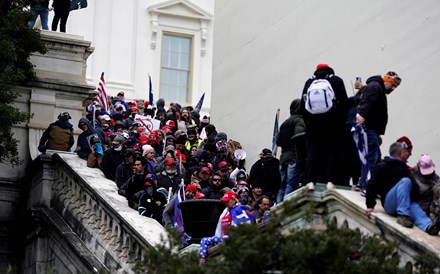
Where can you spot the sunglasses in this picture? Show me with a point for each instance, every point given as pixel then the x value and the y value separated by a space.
pixel 216 179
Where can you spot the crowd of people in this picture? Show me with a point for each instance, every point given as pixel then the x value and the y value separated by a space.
pixel 329 138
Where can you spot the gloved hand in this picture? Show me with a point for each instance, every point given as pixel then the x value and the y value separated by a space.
pixel 42 148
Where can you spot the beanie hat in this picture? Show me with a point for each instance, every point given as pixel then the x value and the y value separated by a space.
pixel 266 152
pixel 177 107
pixel 146 149
pixel 392 77
pixel 220 136
pixel 405 140
pixel 64 116
pixel 192 188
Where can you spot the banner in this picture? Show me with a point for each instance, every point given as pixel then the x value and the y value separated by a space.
pixel 149 123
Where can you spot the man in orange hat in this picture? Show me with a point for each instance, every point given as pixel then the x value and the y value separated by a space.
pixel 373 114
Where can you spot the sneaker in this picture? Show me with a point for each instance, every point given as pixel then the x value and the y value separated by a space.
pixel 406 221
pixel 363 192
pixel 330 185
pixel 202 261
pixel 433 229
pixel 310 186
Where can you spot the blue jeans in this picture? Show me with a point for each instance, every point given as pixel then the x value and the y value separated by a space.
pixel 290 174
pixel 44 17
pixel 398 202
pixel 372 156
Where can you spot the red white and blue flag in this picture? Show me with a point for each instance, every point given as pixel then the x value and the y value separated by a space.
pixel 102 94
pixel 361 140
pixel 240 214
pixel 178 221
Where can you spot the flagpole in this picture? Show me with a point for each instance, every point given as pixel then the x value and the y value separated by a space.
pixel 275 134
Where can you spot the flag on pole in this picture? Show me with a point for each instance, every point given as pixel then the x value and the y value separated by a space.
pixel 361 140
pixel 151 97
pixel 200 103
pixel 102 94
pixel 275 134
pixel 180 197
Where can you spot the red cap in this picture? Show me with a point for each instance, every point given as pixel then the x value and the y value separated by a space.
pixel 228 196
pixel 206 170
pixel 169 161
pixel 322 66
pixel 143 139
pixel 146 104
pixel 170 123
pixel 199 195
pixel 192 188
pixel 223 164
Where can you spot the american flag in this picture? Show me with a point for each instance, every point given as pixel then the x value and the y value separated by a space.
pixel 102 95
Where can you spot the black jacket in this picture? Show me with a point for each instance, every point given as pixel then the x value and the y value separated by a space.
pixel 266 173
pixel 384 177
pixel 373 105
pixel 338 113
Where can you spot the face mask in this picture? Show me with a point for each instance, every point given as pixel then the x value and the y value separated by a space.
pixel 118 148
pixel 190 139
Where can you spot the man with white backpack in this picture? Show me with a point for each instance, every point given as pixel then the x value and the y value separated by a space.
pixel 323 106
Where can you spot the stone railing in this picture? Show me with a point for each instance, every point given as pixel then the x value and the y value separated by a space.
pixel 89 203
pixel 347 209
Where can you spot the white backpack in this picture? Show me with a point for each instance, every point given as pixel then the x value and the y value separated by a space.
pixel 320 96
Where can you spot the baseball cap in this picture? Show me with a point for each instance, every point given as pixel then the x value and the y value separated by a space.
pixel 118 140
pixel 426 166
pixel 205 170
pixel 223 164
pixel 228 196
pixel 169 161
pixel 241 176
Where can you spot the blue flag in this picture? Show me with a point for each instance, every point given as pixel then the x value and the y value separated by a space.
pixel 200 103
pixel 151 98
pixel 178 221
pixel 275 134
pixel 240 214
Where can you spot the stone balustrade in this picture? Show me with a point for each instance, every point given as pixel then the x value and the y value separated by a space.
pixel 89 203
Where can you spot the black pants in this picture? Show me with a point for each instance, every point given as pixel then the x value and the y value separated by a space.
pixel 324 154
pixel 60 15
